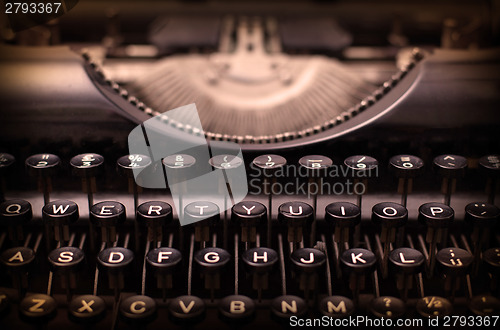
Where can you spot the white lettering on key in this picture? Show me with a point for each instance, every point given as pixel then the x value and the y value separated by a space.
pixel 356 257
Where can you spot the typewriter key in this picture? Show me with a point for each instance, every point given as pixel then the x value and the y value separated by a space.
pixel 407 262
pixel 268 165
pixel 154 215
pixel 38 308
pixel 6 161
pixel 43 167
pixel 203 214
pixel 67 262
pixel 387 307
pixel 337 307
pixel 450 167
pixel 438 218
pixel 490 166
pixel 296 215
pixel 284 307
pixel 86 309
pixel 454 263
pixel 390 216
pixel 107 215
pixel 18 261
pixel 211 262
pixel 138 310
pixel 14 214
pixel 433 306
pixel 236 309
pixel 179 168
pixel 133 167
pixel 484 305
pixel 260 262
pixel 59 215
pixel 186 310
pixel 361 168
pixel 87 166
pixel 491 261
pixel 482 217
pixel 249 215
pixel 406 168
pixel 115 261
pixel 163 262
pixel 357 264
pixel 317 169
pixel 344 216
pixel 308 263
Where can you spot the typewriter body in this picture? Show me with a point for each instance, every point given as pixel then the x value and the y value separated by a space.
pixel 370 135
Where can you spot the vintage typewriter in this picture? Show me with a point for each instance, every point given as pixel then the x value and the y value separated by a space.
pixel 370 138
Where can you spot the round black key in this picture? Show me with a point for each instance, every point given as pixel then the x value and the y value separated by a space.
pixel 361 166
pixel 407 260
pixel 202 210
pixel 406 166
pixel 295 212
pixel 4 303
pixel 128 163
pixel 115 259
pixel 38 308
pixel 249 213
pixel 337 307
pixel 454 261
pixel 269 162
pixel 236 309
pixel 187 309
pixel 358 261
pixel 87 309
pixel 451 166
pixel 284 307
pixel 6 161
pixel 485 305
pixel 315 162
pixel 154 213
pixel 490 164
pixel 42 164
pixel 138 309
pixel 433 306
pixel 343 214
pixel 387 307
pixel 260 260
pixel 389 214
pixel 212 259
pixel 482 214
pixel 436 215
pixel 164 260
pixel 491 259
pixel 308 260
pixel 61 212
pixel 87 164
pixel 179 161
pixel 66 259
pixel 107 213
pixel 15 212
pixel 18 259
pixel 225 162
